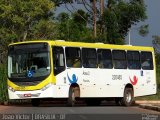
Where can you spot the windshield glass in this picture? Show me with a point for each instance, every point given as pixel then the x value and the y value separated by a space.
pixel 28 61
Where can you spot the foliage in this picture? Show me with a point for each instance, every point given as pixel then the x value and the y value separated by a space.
pixel 59 2
pixel 73 27
pixel 3 83
pixel 120 16
pixel 143 31
pixel 156 43
pixel 112 25
pixel 24 19
pixel 19 16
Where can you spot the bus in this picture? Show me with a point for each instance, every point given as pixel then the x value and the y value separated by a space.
pixel 72 71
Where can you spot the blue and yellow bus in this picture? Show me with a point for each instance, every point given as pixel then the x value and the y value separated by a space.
pixel 76 70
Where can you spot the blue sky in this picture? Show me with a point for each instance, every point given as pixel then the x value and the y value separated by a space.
pixel 153 13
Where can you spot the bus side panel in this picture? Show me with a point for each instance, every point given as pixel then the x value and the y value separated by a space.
pixel 146 84
pixel 95 82
pixel 101 83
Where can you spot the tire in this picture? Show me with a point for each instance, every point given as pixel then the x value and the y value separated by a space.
pixel 128 97
pixel 71 98
pixel 35 102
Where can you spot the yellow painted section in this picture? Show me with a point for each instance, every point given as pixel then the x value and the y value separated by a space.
pixel 89 45
pixel 50 79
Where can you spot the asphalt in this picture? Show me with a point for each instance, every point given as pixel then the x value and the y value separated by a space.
pixel 145 104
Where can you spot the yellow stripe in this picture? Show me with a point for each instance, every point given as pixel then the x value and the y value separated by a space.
pixel 90 45
pixel 50 79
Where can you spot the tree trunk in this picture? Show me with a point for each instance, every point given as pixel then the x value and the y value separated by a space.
pixel 25 35
pixel 101 11
pixel 94 19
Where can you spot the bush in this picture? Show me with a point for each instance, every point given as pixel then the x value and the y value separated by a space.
pixel 3 84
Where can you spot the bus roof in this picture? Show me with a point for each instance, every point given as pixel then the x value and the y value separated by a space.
pixel 88 45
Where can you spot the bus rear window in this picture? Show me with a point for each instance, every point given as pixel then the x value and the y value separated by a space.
pixel 146 60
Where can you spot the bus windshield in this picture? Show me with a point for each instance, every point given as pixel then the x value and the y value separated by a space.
pixel 28 60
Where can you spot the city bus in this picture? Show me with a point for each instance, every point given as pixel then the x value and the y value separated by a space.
pixel 72 71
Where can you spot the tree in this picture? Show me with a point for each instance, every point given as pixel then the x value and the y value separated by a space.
pixel 111 23
pixel 143 31
pixel 24 19
pixel 119 16
pixel 63 25
pixel 156 43
pixel 19 16
pixel 74 27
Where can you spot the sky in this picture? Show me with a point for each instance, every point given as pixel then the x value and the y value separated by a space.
pixel 153 14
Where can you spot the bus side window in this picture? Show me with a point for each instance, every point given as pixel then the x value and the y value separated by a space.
pixel 89 57
pixel 133 59
pixel 119 59
pixel 104 58
pixel 147 60
pixel 58 59
pixel 73 57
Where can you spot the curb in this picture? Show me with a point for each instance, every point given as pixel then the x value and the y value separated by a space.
pixel 146 102
pixel 150 107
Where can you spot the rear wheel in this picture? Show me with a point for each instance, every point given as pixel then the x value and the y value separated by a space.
pixel 35 102
pixel 128 97
pixel 71 98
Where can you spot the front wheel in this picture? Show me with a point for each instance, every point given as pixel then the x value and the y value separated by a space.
pixel 128 97
pixel 71 98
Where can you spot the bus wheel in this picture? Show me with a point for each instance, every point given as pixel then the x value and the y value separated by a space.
pixel 35 102
pixel 127 99
pixel 71 98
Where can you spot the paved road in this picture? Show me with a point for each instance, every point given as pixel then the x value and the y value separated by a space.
pixel 79 112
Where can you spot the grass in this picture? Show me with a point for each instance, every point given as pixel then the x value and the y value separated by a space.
pixel 151 97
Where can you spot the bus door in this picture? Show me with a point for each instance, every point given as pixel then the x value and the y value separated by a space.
pixel 73 64
pixel 59 65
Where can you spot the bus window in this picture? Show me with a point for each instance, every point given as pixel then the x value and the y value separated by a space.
pixel 133 58
pixel 28 61
pixel 146 60
pixel 73 57
pixel 58 60
pixel 104 58
pixel 119 59
pixel 89 57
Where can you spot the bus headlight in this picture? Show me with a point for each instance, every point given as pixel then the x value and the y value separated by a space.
pixel 46 87
pixel 11 89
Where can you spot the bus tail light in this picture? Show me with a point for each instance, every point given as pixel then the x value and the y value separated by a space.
pixel 27 95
